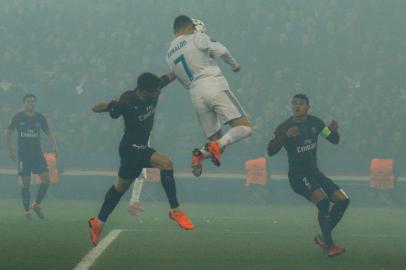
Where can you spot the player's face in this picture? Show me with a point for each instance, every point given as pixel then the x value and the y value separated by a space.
pixel 29 104
pixel 299 107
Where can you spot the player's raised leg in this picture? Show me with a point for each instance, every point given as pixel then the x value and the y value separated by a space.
pixel 240 129
pixel 168 183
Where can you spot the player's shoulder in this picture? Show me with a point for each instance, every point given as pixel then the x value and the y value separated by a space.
pixel 316 122
pixel 128 98
pixel 314 119
pixel 39 115
pixel 18 115
pixel 200 37
pixel 284 126
pixel 128 95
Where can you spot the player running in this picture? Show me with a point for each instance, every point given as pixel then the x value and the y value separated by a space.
pixel 138 109
pixel 299 136
pixel 28 124
pixel 191 58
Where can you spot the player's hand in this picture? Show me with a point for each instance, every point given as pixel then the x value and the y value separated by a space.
pixel 333 126
pixel 292 132
pixel 237 68
pixel 12 154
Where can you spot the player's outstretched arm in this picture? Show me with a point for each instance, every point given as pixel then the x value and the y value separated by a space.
pixel 228 58
pixel 216 49
pixel 167 79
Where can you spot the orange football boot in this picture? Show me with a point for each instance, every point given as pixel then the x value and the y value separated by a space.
pixel 95 229
pixel 180 217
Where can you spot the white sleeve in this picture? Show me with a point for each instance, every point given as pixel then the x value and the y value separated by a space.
pixel 201 41
pixel 215 48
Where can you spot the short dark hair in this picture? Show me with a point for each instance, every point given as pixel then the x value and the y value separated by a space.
pixel 181 22
pixel 302 96
pixel 29 95
pixel 148 81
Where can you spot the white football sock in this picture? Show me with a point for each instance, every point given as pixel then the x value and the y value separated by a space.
pixel 234 134
pixel 137 188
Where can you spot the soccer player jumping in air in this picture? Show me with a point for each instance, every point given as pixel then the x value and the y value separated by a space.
pixel 191 59
pixel 138 109
pixel 28 124
pixel 299 136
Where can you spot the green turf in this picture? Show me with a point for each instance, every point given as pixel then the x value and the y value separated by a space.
pixel 226 237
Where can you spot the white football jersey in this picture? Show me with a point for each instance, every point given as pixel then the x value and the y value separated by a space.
pixel 192 59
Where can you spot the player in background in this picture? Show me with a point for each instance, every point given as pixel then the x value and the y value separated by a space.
pixel 191 59
pixel 138 110
pixel 134 207
pixel 298 135
pixel 30 158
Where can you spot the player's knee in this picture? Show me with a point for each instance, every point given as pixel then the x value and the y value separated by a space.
pixel 25 185
pixel 343 203
pixel 121 186
pixel 247 130
pixel 167 164
pixel 45 180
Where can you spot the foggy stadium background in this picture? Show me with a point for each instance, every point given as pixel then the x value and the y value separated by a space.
pixel 349 57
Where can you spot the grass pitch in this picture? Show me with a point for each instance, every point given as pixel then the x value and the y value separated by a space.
pixel 227 236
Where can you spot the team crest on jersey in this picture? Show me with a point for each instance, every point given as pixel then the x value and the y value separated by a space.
pixel 36 124
pixel 314 130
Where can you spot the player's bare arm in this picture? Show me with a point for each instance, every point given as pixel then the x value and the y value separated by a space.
pixel 167 79
pixel 100 107
pixel 52 141
pixel 11 152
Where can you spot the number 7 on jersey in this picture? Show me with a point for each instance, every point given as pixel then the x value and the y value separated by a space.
pixel 181 59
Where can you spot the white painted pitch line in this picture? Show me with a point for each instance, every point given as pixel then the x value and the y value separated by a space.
pixel 95 252
pixel 266 232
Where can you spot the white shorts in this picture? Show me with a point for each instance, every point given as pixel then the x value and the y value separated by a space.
pixel 215 108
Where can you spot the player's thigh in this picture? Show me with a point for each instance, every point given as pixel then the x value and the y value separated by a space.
pixel 161 161
pixel 207 116
pixel 330 188
pixel 130 164
pixel 228 108
pixel 40 167
pixel 24 167
pixel 304 185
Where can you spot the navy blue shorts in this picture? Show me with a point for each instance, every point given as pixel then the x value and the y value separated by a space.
pixel 306 184
pixel 133 159
pixel 28 164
